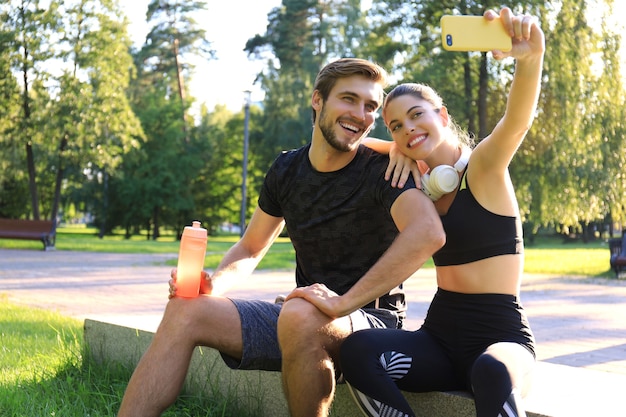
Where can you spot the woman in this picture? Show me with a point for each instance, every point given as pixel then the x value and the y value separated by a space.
pixel 475 336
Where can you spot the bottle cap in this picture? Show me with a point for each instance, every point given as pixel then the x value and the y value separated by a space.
pixel 195 230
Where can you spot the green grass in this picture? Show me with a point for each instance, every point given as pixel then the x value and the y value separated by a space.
pixel 86 239
pixel 547 255
pixel 281 256
pixel 45 372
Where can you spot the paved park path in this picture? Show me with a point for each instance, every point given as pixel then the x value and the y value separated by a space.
pixel 577 321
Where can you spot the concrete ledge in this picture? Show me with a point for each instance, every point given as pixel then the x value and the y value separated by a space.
pixel 558 391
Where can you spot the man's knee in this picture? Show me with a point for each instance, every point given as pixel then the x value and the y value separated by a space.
pixel 302 327
pixel 175 315
pixel 297 317
pixel 185 317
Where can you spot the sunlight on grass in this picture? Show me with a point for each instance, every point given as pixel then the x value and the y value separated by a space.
pixel 45 372
pixel 552 256
pixel 547 255
pixel 281 256
pixel 26 335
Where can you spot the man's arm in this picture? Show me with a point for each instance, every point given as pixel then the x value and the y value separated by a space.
pixel 421 235
pixel 244 256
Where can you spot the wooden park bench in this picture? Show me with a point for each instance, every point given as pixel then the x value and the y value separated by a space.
pixel 43 230
pixel 618 255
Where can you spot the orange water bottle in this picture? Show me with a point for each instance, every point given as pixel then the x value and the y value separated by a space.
pixel 191 260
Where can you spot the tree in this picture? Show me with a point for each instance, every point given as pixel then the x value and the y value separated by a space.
pixel 568 166
pixel 165 169
pixel 13 188
pixel 175 34
pixel 412 51
pixel 92 118
pixel 160 100
pixel 27 29
pixel 565 173
pixel 609 116
pixel 74 66
pixel 303 36
pixel 217 184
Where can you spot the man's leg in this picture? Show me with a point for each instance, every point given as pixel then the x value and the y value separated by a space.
pixel 309 342
pixel 159 376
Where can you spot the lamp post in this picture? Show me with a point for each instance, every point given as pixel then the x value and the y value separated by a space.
pixel 242 214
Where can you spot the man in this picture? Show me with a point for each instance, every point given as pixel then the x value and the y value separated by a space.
pixel 352 232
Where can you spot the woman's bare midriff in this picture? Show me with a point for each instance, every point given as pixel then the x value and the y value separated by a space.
pixel 497 275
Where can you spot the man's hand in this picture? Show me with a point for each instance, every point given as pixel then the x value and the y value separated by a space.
pixel 321 297
pixel 206 285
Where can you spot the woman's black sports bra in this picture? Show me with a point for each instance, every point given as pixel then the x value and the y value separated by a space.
pixel 474 233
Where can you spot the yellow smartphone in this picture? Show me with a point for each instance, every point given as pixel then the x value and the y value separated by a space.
pixel 473 33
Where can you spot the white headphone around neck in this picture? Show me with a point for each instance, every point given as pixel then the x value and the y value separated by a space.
pixel 443 179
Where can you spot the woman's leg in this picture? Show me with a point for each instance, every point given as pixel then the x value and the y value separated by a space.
pixel 499 378
pixel 378 363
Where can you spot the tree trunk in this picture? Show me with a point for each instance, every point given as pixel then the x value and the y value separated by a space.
pixel 469 102
pixel 32 183
pixel 155 223
pixel 483 86
pixel 58 181
pixel 105 202
pixel 30 159
pixel 181 88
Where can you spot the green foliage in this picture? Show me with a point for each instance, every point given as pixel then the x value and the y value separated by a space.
pixel 303 36
pixel 570 169
pixel 11 164
pixel 216 184
pixel 174 26
pixel 13 184
pixel 28 29
pixel 569 172
pixel 76 119
pixel 155 187
pixel 109 134
pixel 174 35
pixel 609 118
pixel 287 121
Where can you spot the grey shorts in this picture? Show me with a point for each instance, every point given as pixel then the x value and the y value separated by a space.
pixel 260 341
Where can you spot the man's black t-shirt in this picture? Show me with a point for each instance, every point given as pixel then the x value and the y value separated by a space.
pixel 339 222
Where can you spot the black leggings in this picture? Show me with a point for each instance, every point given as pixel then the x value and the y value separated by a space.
pixel 476 342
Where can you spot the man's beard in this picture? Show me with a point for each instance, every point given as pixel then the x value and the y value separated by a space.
pixel 327 129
